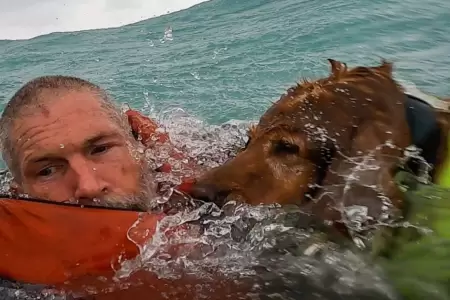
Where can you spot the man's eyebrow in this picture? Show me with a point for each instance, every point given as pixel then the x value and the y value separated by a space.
pixel 101 136
pixel 87 143
pixel 42 158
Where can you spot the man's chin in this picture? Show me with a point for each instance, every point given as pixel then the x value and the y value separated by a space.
pixel 118 202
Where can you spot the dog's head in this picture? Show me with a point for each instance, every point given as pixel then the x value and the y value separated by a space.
pixel 288 153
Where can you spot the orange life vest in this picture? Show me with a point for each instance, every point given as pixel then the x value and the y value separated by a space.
pixel 77 249
pixel 49 243
pixel 57 244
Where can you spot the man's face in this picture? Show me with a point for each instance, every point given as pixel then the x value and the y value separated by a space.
pixel 69 148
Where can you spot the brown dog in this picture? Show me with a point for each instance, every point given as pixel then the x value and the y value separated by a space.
pixel 330 145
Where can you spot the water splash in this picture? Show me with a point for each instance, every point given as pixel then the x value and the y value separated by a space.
pixel 5 181
pixel 265 244
pixel 168 36
pixel 208 145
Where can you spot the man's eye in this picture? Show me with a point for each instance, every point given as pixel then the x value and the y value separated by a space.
pixel 100 149
pixel 46 172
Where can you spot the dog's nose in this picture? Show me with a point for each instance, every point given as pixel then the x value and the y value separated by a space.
pixel 209 193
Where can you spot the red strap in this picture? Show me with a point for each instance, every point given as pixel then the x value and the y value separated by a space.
pixel 147 129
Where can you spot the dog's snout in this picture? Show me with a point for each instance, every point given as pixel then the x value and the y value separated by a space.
pixel 209 193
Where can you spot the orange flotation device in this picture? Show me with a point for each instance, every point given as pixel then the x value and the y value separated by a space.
pixel 50 243
pixel 76 250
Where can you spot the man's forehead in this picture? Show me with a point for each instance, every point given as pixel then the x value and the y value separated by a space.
pixel 69 113
pixel 63 106
pixel 54 135
pixel 61 101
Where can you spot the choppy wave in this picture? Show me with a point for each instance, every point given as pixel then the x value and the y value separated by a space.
pixel 49 16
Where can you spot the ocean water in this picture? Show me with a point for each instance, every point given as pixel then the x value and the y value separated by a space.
pixel 229 59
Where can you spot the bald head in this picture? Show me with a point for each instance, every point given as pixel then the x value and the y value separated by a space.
pixel 37 96
pixel 64 139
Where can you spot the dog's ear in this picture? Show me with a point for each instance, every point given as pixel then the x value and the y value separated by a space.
pixel 386 67
pixel 322 155
pixel 327 154
pixel 337 67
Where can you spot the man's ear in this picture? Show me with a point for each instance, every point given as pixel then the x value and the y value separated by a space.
pixel 15 189
pixel 136 149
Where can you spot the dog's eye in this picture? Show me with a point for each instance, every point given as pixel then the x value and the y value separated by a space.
pixel 284 147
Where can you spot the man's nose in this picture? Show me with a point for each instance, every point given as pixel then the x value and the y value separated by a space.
pixel 89 183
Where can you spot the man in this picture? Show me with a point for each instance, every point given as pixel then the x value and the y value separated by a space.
pixel 64 139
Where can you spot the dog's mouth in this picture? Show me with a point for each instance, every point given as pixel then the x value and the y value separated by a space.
pixel 233 198
pixel 212 194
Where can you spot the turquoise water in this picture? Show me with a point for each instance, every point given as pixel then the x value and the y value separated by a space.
pixel 228 59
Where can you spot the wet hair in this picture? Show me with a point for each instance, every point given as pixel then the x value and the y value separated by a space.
pixel 29 96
